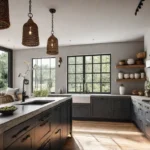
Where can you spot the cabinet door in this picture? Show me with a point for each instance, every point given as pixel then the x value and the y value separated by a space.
pixel 147 112
pixel 43 126
pixel 121 108
pixel 26 142
pixel 56 117
pixel 69 116
pixel 46 146
pixel 55 141
pixel 121 115
pixel 147 129
pixel 81 110
pixel 1 142
pixel 64 121
pixel 102 107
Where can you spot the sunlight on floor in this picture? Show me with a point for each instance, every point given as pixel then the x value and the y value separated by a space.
pixel 106 136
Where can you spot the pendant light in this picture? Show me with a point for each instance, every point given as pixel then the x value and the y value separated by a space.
pixel 52 43
pixel 30 30
pixel 4 14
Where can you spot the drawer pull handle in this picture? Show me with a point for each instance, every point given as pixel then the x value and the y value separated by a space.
pixel 57 131
pixel 43 123
pixel 24 129
pixel 24 139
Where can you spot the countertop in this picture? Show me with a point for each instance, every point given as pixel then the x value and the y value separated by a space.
pixel 85 95
pixel 25 112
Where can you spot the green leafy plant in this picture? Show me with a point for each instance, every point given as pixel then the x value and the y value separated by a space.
pixel 40 93
pixel 147 85
pixel 2 84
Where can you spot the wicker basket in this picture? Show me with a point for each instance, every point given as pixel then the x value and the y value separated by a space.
pixel 33 38
pixel 6 99
pixel 4 14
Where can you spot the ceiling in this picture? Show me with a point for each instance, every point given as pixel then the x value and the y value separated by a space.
pixel 79 21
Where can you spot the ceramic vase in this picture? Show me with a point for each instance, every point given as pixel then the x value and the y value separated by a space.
pixel 122 89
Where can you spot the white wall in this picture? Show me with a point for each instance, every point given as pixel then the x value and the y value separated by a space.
pixel 147 49
pixel 118 51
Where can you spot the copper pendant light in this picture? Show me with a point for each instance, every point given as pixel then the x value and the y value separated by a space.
pixel 52 43
pixel 30 31
pixel 4 14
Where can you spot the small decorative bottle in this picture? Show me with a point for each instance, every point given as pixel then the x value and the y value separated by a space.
pixel 122 89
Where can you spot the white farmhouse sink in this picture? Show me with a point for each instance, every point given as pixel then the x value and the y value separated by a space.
pixel 81 98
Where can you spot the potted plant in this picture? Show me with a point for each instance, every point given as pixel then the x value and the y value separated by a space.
pixel 147 88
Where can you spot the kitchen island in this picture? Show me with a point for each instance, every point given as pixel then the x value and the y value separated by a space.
pixel 37 125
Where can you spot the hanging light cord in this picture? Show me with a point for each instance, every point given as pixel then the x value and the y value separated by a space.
pixel 52 24
pixel 30 9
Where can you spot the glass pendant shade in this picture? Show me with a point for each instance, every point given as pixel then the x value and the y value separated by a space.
pixel 52 45
pixel 4 14
pixel 30 34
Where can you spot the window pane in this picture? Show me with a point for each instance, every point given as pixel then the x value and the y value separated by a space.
pixel 96 59
pixel 96 67
pixel 106 59
pixel 71 60
pixel 53 63
pixel 44 75
pixel 53 74
pixel 71 78
pixel 79 77
pixel 71 69
pixel 96 77
pixel 79 68
pixel 105 67
pixel 88 59
pixel 37 79
pixel 89 87
pixel 79 87
pixel 79 60
pixel 88 68
pixel 71 87
pixel 96 73
pixel 3 70
pixel 96 87
pixel 45 63
pixel 88 78
pixel 106 87
pixel 105 77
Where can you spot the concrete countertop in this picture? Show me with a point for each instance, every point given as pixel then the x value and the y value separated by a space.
pixel 25 112
pixel 73 94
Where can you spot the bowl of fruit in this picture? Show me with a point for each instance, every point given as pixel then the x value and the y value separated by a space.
pixel 8 110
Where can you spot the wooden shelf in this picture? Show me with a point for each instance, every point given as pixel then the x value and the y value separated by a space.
pixel 130 66
pixel 130 80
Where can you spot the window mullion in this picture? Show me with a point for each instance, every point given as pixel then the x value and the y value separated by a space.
pixel 83 73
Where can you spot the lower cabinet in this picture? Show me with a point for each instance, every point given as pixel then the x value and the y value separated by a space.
pixel 111 108
pixel 47 131
pixel 80 110
pixel 1 142
pixel 25 142
pixel 102 107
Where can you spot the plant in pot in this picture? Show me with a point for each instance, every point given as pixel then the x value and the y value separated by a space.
pixel 147 88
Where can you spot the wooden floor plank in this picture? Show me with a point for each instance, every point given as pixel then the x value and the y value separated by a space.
pixel 88 135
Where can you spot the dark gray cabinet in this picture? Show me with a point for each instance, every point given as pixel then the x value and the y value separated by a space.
pixel 80 110
pixel 102 107
pixel 111 107
pixel 121 108
pixel 1 142
pixel 25 142
pixel 46 131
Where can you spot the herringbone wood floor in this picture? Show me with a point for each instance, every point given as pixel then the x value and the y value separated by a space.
pixel 89 135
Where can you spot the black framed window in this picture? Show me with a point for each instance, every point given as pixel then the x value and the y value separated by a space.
pixel 44 74
pixel 90 74
pixel 6 64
